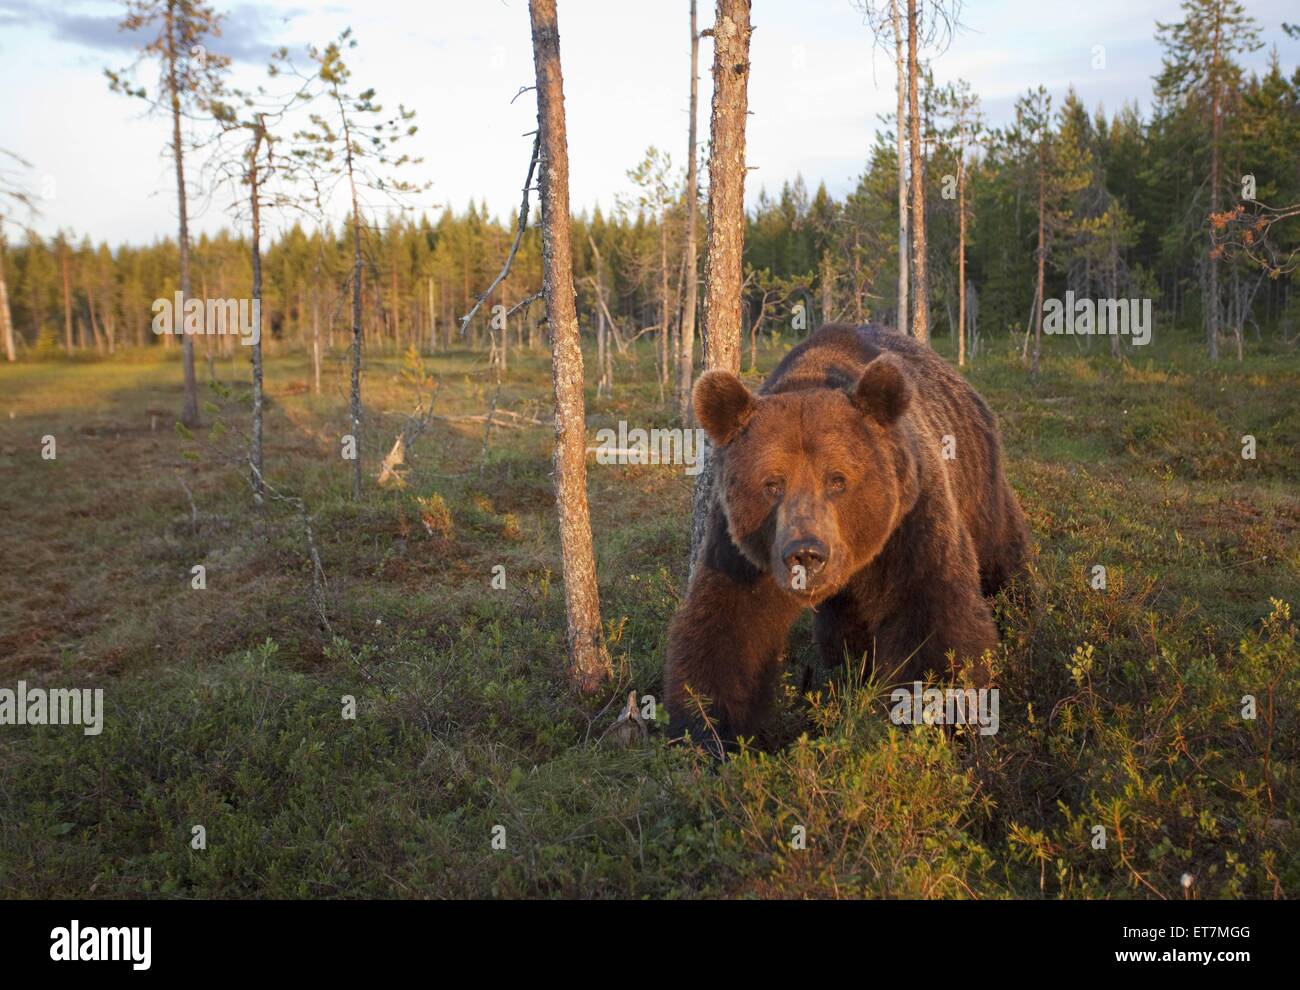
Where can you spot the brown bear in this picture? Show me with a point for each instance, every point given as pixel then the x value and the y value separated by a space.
pixel 865 482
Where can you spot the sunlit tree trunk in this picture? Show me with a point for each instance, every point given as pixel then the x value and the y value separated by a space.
pixel 900 61
pixel 6 317
pixel 961 261
pixel 255 202
pixel 589 666
pixel 722 268
pixel 190 405
pixel 921 300
pixel 686 335
pixel 1212 289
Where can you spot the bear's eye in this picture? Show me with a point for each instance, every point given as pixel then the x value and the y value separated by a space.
pixel 774 487
pixel 837 483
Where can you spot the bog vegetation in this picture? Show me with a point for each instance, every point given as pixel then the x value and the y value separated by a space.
pixel 1120 708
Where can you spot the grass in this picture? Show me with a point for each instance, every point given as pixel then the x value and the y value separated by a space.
pixel 1120 709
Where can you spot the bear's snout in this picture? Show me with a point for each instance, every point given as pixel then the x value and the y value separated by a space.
pixel 808 553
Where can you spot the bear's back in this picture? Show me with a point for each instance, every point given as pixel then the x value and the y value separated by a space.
pixel 837 353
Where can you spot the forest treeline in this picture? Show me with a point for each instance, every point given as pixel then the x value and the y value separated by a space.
pixel 1124 198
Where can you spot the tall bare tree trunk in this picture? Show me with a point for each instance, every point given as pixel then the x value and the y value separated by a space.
pixel 722 267
pixel 1042 254
pixel 255 203
pixel 1212 289
pixel 731 32
pixel 921 302
pixel 67 298
pixel 190 404
pixel 961 261
pixel 686 335
pixel 315 336
pixel 900 61
pixel 589 666
pixel 94 321
pixel 6 317
pixel 433 321
pixel 665 352
pixel 354 398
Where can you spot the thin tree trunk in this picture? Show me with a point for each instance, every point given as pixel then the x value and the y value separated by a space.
pixel 589 666
pixel 315 335
pixel 190 405
pixel 6 317
pixel 354 399
pixel 1212 289
pixel 67 300
pixel 921 302
pixel 722 267
pixel 665 352
pixel 961 261
pixel 94 322
pixel 433 321
pixel 1042 255
pixel 255 203
pixel 900 61
pixel 686 336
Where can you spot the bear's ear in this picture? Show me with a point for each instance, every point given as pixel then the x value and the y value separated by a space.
pixel 883 392
pixel 723 405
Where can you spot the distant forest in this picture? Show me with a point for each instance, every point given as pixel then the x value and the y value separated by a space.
pixel 1122 198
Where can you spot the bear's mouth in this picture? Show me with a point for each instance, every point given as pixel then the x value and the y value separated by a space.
pixel 807 588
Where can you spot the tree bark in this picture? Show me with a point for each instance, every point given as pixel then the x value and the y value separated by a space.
pixel 900 60
pixel 6 317
pixel 354 399
pixel 726 186
pixel 921 292
pixel 722 266
pixel 255 202
pixel 67 297
pixel 190 404
pixel 589 666
pixel 961 261
pixel 665 352
pixel 1042 252
pixel 1212 289
pixel 686 335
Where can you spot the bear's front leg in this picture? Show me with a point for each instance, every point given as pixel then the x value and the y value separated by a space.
pixel 724 648
pixel 930 623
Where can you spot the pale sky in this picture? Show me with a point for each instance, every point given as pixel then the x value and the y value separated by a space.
pixel 817 89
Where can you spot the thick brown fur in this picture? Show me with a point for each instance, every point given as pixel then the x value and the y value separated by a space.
pixel 832 491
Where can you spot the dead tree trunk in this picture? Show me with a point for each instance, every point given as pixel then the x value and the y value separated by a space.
pixel 921 302
pixel 686 334
pixel 1212 289
pixel 6 318
pixel 254 193
pixel 726 186
pixel 354 396
pixel 900 60
pixel 67 298
pixel 731 31
pixel 961 261
pixel 589 666
pixel 190 406
pixel 1042 254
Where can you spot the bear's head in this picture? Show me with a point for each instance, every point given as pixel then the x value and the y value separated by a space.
pixel 813 481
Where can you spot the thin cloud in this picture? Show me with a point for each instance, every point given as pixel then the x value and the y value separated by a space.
pixel 248 33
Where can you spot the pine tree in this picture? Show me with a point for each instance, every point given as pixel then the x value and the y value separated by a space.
pixel 353 142
pixel 191 74
pixel 1198 66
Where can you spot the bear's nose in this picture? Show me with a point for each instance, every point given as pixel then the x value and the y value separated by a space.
pixel 810 554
